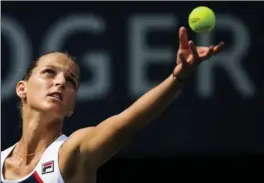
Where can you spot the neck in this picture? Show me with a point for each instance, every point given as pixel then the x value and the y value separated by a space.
pixel 38 132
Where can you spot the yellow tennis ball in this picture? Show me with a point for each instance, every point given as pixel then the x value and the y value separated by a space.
pixel 202 19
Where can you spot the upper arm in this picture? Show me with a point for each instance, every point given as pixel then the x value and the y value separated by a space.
pixel 103 141
pixel 69 154
pixel 93 146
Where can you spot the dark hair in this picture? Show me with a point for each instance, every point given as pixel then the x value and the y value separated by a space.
pixel 34 64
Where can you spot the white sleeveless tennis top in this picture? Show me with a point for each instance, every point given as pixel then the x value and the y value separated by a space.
pixel 47 169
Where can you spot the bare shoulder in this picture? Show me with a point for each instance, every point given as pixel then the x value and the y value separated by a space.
pixel 69 154
pixel 89 148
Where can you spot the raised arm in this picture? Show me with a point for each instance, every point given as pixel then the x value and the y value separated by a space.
pixel 100 143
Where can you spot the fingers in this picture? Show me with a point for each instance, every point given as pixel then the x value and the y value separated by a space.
pixel 218 47
pixel 194 50
pixel 212 50
pixel 199 54
pixel 207 53
pixel 183 59
pixel 183 38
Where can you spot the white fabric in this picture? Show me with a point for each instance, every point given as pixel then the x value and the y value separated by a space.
pixel 47 168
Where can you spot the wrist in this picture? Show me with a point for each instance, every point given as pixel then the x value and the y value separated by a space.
pixel 179 79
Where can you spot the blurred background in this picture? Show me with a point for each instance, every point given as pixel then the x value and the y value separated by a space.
pixel 126 48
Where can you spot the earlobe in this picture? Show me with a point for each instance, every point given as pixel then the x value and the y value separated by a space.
pixel 71 109
pixel 21 89
pixel 70 113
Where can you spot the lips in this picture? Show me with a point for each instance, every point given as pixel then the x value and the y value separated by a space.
pixel 56 95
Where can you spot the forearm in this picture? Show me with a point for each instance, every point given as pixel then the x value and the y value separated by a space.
pixel 113 133
pixel 152 103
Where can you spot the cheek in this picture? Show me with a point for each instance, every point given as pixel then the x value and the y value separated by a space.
pixel 70 98
pixel 36 89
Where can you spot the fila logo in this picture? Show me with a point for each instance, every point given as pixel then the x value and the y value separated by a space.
pixel 47 167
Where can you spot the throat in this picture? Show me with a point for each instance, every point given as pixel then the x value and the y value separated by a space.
pixel 31 148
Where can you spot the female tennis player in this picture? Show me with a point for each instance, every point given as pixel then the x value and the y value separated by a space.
pixel 48 93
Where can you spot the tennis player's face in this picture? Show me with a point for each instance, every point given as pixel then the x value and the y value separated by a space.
pixel 53 85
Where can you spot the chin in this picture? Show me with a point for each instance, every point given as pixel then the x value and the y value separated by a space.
pixel 53 109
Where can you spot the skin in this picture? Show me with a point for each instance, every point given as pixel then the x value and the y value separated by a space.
pixel 88 148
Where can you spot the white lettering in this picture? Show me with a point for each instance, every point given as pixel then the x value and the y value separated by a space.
pixel 141 55
pixel 19 58
pixel 230 60
pixel 99 86
pixel 97 62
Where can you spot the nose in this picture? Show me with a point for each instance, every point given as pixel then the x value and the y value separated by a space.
pixel 60 80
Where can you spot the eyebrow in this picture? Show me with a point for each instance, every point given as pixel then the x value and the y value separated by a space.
pixel 71 73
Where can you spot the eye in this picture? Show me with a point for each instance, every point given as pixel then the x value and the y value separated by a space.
pixel 49 72
pixel 72 82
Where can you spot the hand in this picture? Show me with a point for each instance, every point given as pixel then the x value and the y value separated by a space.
pixel 189 56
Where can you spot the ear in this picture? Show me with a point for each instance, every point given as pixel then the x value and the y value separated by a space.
pixel 70 113
pixel 21 89
pixel 71 109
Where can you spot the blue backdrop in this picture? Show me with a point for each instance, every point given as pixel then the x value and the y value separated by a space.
pixel 126 48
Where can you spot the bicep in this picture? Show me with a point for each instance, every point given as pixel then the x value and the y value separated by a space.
pixel 104 140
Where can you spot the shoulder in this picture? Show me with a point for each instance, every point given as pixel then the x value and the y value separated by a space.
pixel 4 154
pixel 69 154
pixel 6 151
pixel 74 140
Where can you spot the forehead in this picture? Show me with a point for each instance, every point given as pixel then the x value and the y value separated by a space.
pixel 60 61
